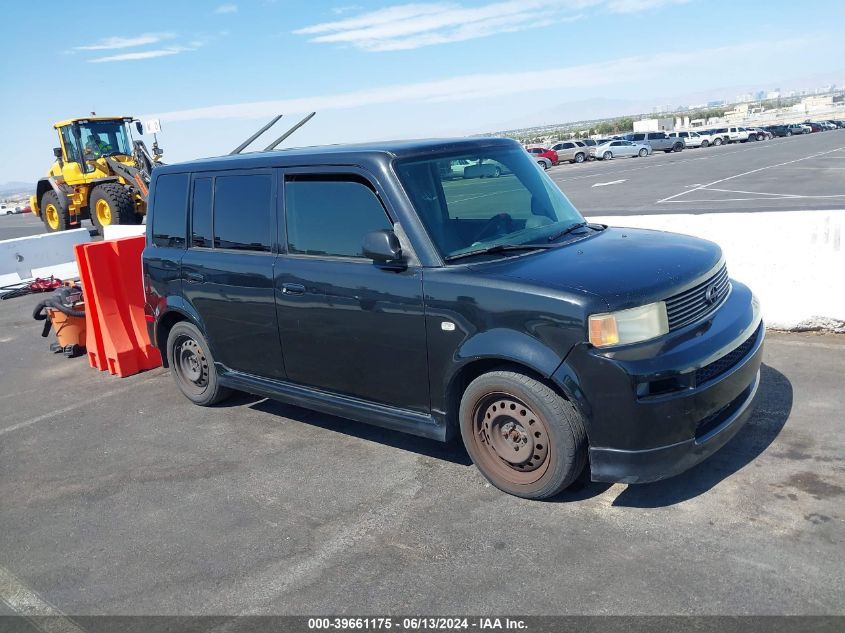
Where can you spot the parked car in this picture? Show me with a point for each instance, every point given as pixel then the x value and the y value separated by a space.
pixel 543 162
pixel 796 128
pixel 379 292
pixel 778 130
pixel 465 168
pixel 619 149
pixel 542 152
pixel 693 138
pixel 573 151
pixel 756 134
pixel 814 127
pixel 7 209
pixel 656 140
pixel 715 137
pixel 591 145
pixel 732 134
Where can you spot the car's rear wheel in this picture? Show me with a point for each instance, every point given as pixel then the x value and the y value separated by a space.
pixel 678 147
pixel 523 436
pixel 192 365
pixel 607 156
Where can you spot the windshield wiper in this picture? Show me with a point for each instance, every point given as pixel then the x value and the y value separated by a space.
pixel 566 231
pixel 497 248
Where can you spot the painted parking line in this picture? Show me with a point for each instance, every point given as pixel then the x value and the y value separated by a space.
pixel 746 173
pixel 134 385
pixel 27 603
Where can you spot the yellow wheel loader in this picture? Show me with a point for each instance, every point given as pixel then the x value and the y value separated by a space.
pixel 100 173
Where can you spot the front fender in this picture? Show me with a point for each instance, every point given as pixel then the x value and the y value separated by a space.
pixel 508 345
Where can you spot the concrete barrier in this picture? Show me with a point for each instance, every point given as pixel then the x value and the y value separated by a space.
pixel 793 261
pixel 24 258
pixel 117 231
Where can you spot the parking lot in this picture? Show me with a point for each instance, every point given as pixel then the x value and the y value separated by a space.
pixel 120 497
pixel 781 174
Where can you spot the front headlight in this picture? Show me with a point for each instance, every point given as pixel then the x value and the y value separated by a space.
pixel 629 326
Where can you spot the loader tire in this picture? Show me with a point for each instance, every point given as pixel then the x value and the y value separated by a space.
pixel 111 204
pixel 54 214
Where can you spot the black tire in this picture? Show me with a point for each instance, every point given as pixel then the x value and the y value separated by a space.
pixel 54 215
pixel 192 365
pixel 607 156
pixel 718 142
pixel 678 147
pixel 789 133
pixel 579 158
pixel 118 201
pixel 543 164
pixel 537 422
pixel 642 153
pixel 705 143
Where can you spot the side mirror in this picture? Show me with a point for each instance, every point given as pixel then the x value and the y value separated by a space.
pixel 139 126
pixel 57 152
pixel 382 247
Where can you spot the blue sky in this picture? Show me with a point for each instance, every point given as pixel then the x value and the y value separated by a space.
pixel 215 71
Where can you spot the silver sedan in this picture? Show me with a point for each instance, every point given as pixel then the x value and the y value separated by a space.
pixel 617 149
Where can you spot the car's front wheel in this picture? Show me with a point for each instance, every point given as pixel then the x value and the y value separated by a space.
pixel 192 365
pixel 543 164
pixel 607 156
pixel 717 142
pixel 705 143
pixel 642 153
pixel 579 157
pixel 522 435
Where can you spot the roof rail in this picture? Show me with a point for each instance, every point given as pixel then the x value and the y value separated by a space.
pixel 243 145
pixel 305 120
pixel 272 145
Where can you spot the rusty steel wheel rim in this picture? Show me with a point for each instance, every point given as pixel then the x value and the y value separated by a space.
pixel 191 365
pixel 512 441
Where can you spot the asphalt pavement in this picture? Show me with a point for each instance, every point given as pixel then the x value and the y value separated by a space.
pixel 782 174
pixel 117 496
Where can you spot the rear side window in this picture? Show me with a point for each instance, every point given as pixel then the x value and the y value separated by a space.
pixel 655 135
pixel 201 234
pixel 638 137
pixel 243 212
pixel 170 209
pixel 329 215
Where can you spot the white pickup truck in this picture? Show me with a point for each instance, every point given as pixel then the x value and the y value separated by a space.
pixel 694 139
pixel 732 134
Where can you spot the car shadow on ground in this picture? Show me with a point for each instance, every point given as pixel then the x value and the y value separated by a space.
pixel 772 408
pixel 452 451
pixel 773 405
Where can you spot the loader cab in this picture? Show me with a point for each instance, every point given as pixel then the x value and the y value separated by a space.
pixel 84 141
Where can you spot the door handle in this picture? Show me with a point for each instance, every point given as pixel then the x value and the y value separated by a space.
pixel 293 289
pixel 194 277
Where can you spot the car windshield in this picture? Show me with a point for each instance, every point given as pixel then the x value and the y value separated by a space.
pixel 501 198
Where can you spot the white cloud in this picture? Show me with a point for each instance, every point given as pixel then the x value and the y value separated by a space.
pixel 117 42
pixel 123 57
pixel 633 6
pixel 626 70
pixel 409 26
pixel 226 8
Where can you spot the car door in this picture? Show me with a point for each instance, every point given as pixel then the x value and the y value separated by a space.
pixel 227 270
pixel 347 325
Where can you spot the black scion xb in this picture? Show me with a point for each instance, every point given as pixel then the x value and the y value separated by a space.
pixel 443 287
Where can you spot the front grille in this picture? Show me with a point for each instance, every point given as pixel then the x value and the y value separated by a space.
pixel 699 301
pixel 723 364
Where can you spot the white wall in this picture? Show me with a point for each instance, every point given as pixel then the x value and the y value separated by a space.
pixel 793 261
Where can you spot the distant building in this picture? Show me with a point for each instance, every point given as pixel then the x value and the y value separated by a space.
pixel 716 104
pixel 666 124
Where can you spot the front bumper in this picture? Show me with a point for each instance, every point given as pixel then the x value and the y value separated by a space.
pixel 654 410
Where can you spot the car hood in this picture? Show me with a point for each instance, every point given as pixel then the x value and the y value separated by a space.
pixel 625 267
